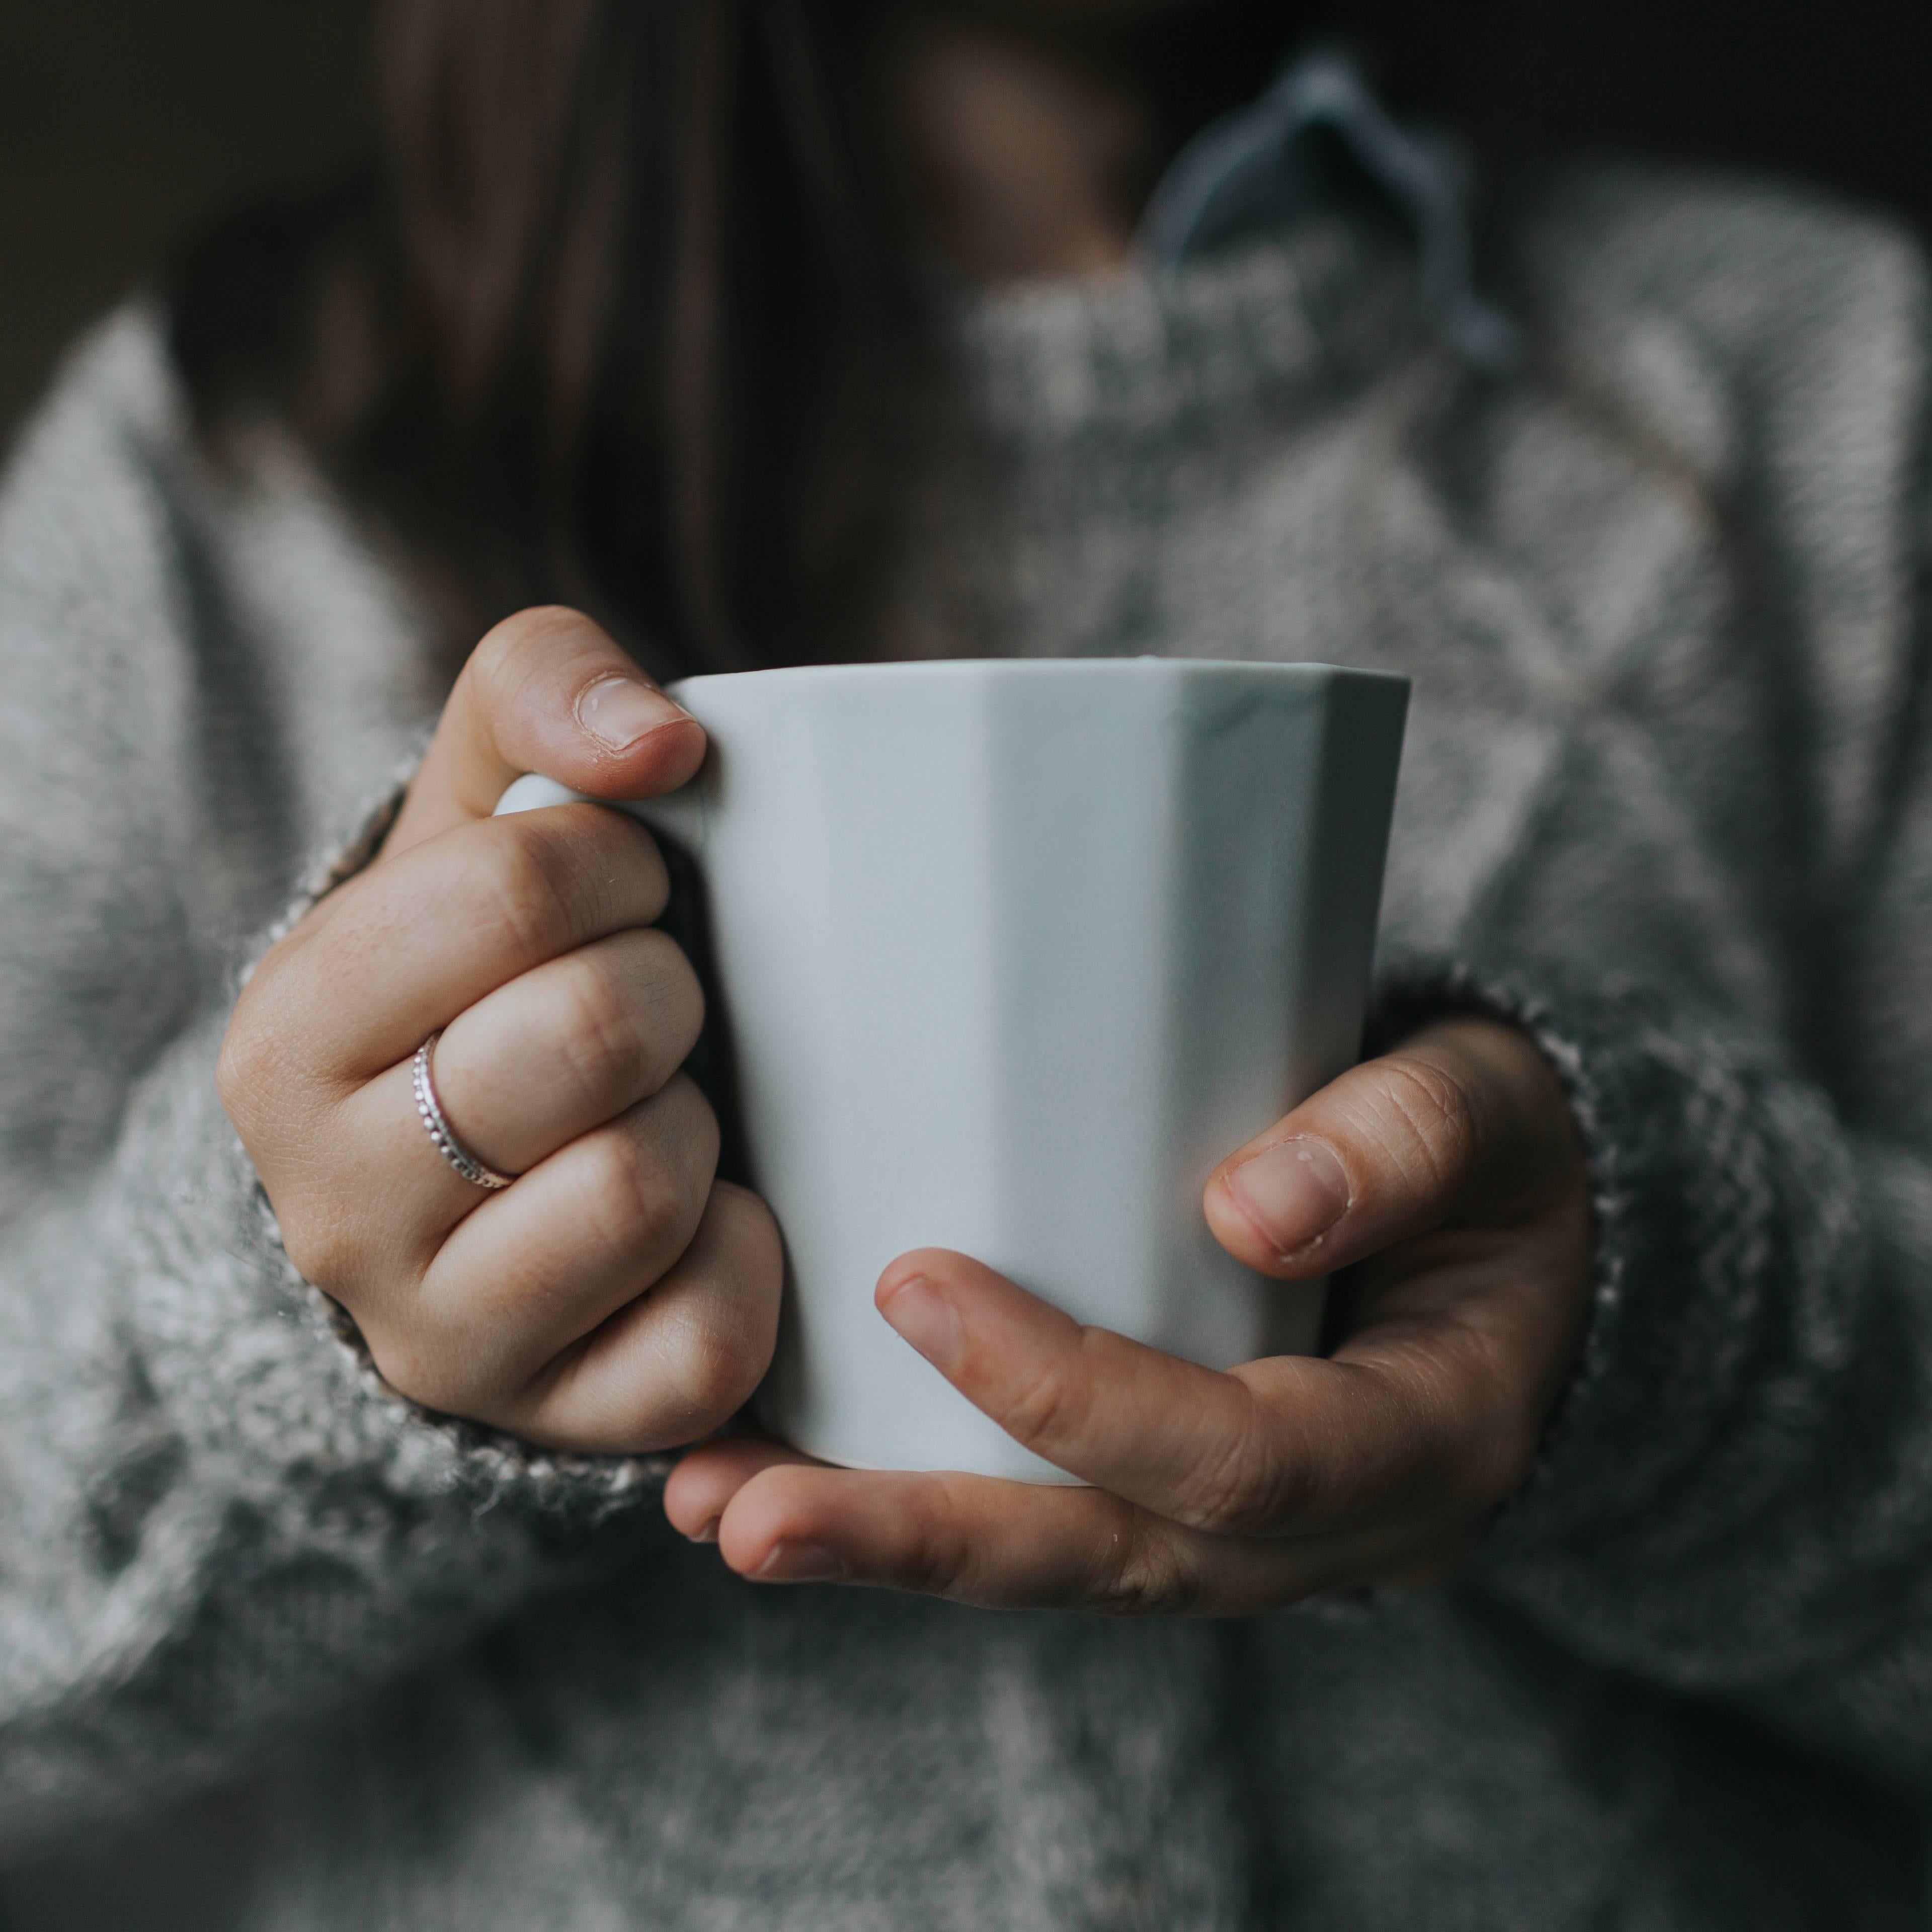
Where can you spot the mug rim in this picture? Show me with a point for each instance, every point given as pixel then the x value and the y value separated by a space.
pixel 1144 664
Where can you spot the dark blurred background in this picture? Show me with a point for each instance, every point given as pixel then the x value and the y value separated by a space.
pixel 123 123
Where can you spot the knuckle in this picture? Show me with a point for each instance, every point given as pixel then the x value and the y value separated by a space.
pixel 1429 1119
pixel 675 997
pixel 1049 1407
pixel 500 667
pixel 717 1361
pixel 526 887
pixel 939 1565
pixel 1252 1486
pixel 640 1200
pixel 715 1350
pixel 603 1050
pixel 940 1560
pixel 1148 1574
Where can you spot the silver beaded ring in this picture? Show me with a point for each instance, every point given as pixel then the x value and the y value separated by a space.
pixel 451 1149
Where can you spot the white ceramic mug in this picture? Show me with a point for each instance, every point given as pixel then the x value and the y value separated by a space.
pixel 1010 955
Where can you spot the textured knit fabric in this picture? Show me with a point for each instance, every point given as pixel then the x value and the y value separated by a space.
pixel 278 1652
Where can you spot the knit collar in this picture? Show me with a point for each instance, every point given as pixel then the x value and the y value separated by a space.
pixel 1253 277
pixel 1145 352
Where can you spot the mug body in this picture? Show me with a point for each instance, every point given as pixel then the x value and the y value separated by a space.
pixel 1009 955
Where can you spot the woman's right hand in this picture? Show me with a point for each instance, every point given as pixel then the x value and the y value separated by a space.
pixel 618 1298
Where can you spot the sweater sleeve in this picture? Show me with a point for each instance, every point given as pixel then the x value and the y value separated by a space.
pixel 1734 1497
pixel 213 1518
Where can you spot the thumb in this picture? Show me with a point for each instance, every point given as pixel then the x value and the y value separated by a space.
pixel 548 690
pixel 1466 1123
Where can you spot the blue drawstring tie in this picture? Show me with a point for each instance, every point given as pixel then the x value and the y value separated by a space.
pixel 1250 171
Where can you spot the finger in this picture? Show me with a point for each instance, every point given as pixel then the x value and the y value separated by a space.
pixel 561 1051
pixel 703 1484
pixel 1466 1121
pixel 1004 1545
pixel 679 1361
pixel 430 935
pixel 548 690
pixel 567 1046
pixel 530 1272
pixel 1292 1446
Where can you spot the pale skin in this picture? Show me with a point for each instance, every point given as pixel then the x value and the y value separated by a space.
pixel 620 1298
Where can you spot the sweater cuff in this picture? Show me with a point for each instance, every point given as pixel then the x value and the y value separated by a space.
pixel 343 860
pixel 488 1467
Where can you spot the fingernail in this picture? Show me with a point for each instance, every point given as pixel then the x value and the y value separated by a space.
pixel 709 1534
pixel 800 1563
pixel 1293 1192
pixel 926 1318
pixel 618 711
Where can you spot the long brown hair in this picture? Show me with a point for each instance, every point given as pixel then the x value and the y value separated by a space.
pixel 622 315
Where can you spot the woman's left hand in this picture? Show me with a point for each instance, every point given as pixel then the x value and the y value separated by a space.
pixel 1446 1177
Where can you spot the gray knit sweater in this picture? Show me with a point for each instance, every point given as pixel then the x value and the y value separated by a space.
pixel 278 1651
